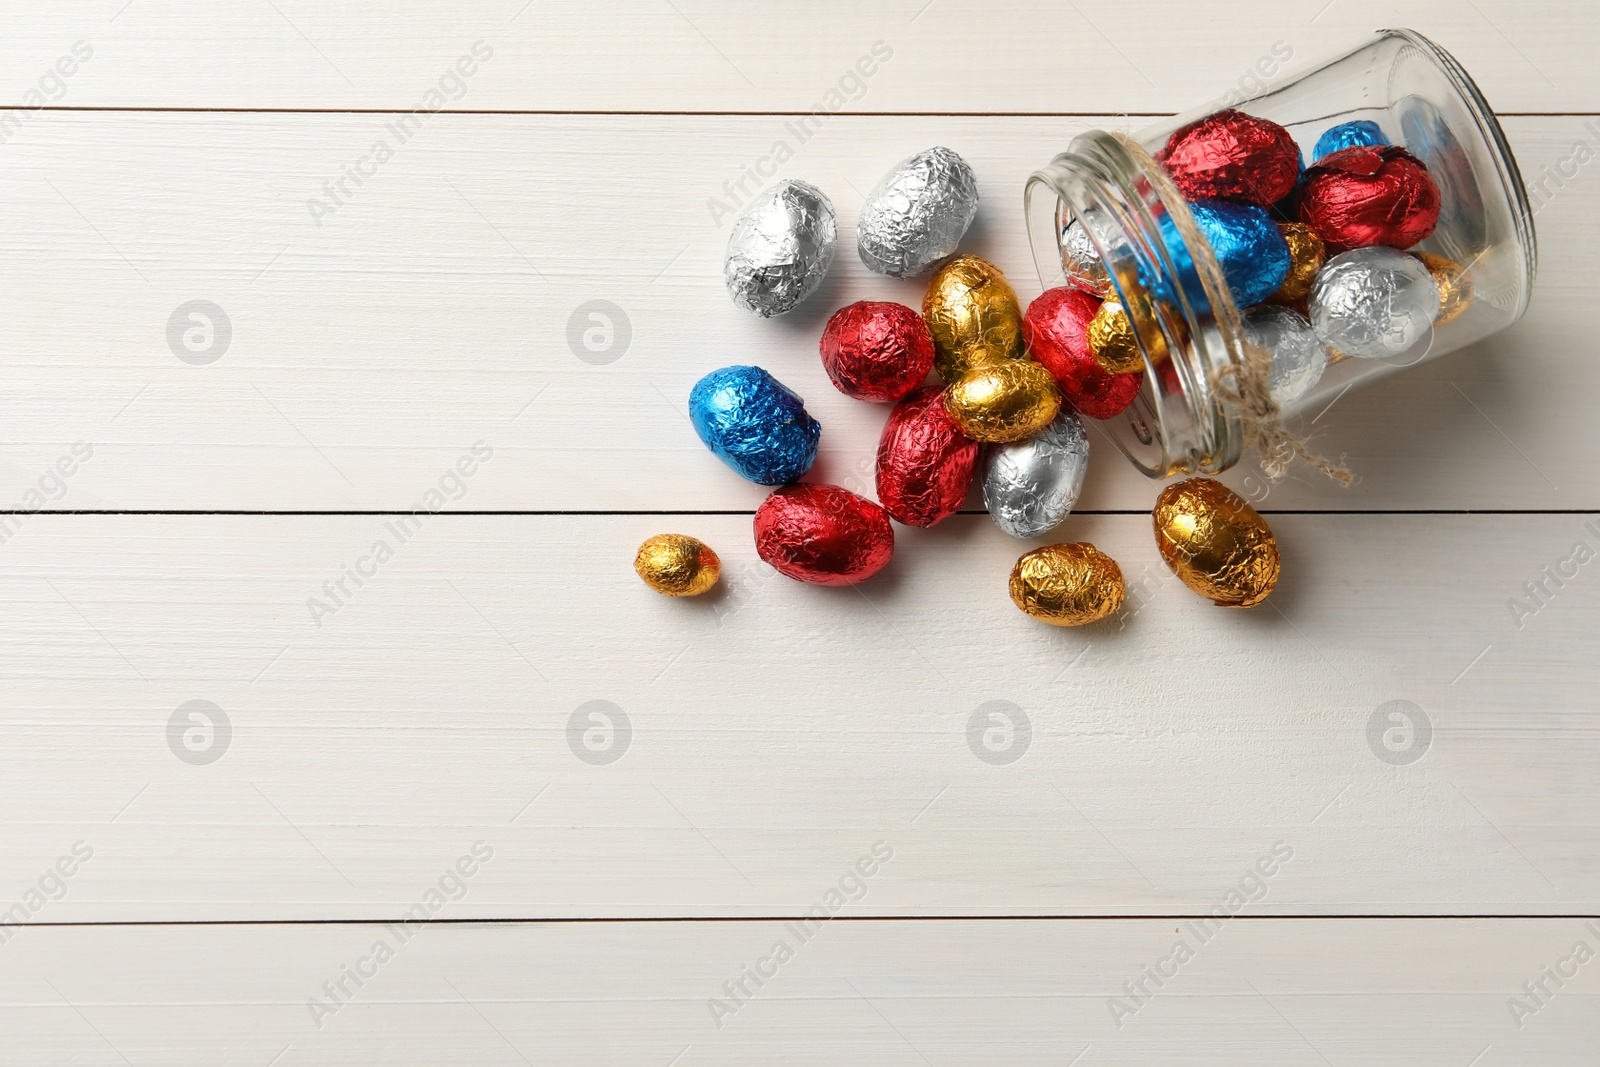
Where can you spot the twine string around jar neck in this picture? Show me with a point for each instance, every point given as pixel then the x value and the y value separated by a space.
pixel 1242 386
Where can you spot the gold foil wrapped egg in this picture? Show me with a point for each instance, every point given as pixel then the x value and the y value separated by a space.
pixel 1003 400
pixel 1307 253
pixel 1067 585
pixel 677 565
pixel 1216 543
pixel 1112 340
pixel 973 314
pixel 1454 282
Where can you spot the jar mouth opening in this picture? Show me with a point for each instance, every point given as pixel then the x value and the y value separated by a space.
pixel 1174 425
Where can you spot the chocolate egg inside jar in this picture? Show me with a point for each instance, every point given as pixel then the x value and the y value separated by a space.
pixel 1366 214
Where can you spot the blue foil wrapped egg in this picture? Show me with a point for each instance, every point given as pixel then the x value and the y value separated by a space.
pixel 755 424
pixel 1349 134
pixel 1249 247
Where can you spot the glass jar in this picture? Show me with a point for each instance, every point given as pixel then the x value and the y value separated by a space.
pixel 1420 99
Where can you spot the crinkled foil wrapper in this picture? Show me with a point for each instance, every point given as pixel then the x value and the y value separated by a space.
pixel 925 462
pixel 1067 585
pixel 876 350
pixel 1368 195
pixel 1298 358
pixel 1307 253
pixel 755 424
pixel 1081 263
pixel 973 316
pixel 917 214
pixel 823 534
pixel 1454 282
pixel 1216 543
pixel 1234 156
pixel 1250 249
pixel 1029 487
pixel 780 248
pixel 1349 135
pixel 677 565
pixel 1003 400
pixel 1373 302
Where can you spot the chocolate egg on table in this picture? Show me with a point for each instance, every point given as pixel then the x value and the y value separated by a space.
pixel 876 350
pixel 1081 263
pixel 780 248
pixel 1030 486
pixel 973 315
pixel 1307 253
pixel 756 425
pixel 1454 283
pixel 1216 543
pixel 1003 400
pixel 823 534
pixel 1373 302
pixel 1067 585
pixel 925 462
pixel 677 565
pixel 1057 332
pixel 917 214
pixel 1298 358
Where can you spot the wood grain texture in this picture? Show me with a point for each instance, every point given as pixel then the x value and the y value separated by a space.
pixel 778 729
pixel 651 55
pixel 902 993
pixel 431 310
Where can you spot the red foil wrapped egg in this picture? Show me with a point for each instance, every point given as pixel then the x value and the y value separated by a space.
pixel 1056 329
pixel 1370 195
pixel 1232 156
pixel 876 350
pixel 925 462
pixel 823 534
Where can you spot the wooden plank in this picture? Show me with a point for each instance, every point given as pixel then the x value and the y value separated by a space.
pixel 432 309
pixel 777 729
pixel 700 55
pixel 1292 992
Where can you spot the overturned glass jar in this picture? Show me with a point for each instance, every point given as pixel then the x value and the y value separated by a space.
pixel 1272 252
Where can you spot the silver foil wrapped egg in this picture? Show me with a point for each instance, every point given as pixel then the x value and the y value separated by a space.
pixel 1080 262
pixel 780 248
pixel 1373 302
pixel 1298 358
pixel 917 214
pixel 1030 487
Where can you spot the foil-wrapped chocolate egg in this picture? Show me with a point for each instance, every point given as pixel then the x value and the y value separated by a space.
pixel 1216 543
pixel 1368 195
pixel 1067 585
pixel 1057 332
pixel 917 214
pixel 1232 156
pixel 1348 135
pixel 780 248
pixel 1298 358
pixel 677 565
pixel 1003 400
pixel 925 462
pixel 1373 302
pixel 1307 253
pixel 876 350
pixel 754 424
pixel 1250 249
pixel 973 314
pixel 1112 339
pixel 1454 282
pixel 823 534
pixel 1030 486
pixel 1081 263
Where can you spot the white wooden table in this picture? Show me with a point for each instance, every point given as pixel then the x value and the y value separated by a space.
pixel 225 882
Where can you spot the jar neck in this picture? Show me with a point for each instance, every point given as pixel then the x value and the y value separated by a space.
pixel 1177 302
